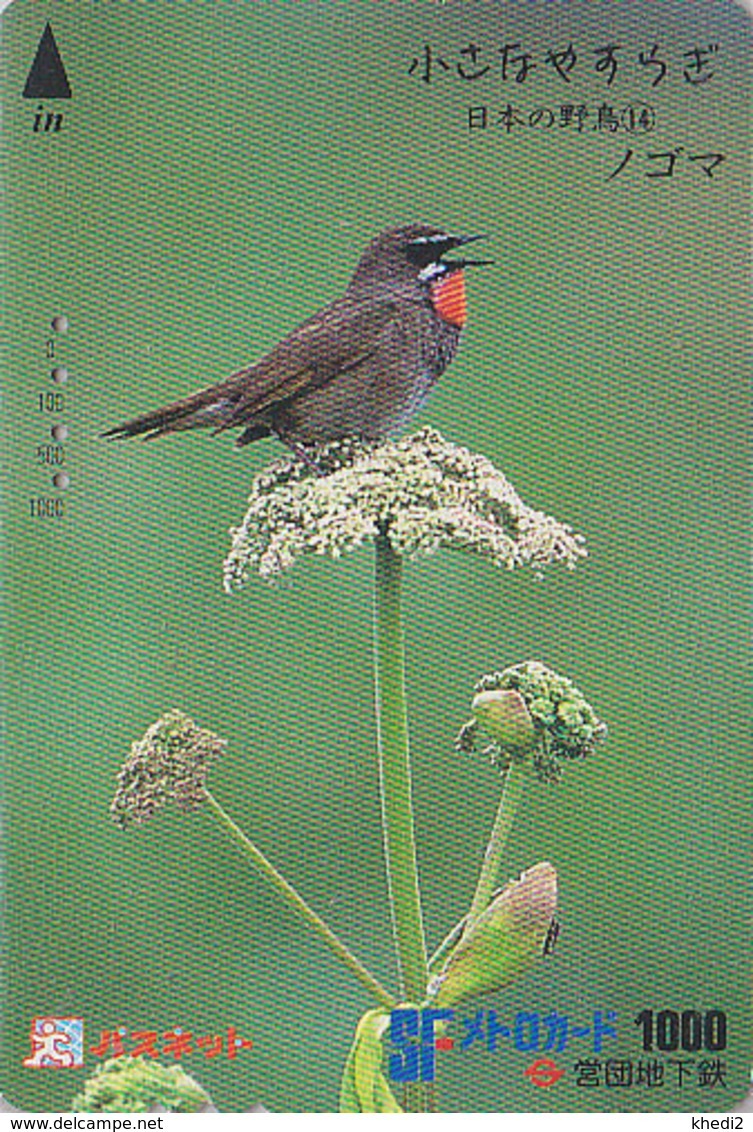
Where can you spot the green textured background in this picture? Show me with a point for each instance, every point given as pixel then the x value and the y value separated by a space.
pixel 220 168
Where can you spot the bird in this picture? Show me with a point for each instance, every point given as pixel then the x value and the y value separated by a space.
pixel 360 368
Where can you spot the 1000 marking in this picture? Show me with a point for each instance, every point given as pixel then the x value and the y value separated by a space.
pixel 689 1030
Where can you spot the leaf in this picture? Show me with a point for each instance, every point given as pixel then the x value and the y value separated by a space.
pixel 348 1093
pixel 446 947
pixel 502 943
pixel 364 1087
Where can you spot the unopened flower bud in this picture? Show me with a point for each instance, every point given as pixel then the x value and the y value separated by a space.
pixel 504 717
pixel 503 942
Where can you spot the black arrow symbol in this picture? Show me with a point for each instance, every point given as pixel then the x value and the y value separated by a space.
pixel 47 77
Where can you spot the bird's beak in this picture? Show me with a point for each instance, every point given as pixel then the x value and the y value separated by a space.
pixel 461 241
pixel 458 264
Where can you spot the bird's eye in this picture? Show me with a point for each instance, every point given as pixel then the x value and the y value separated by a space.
pixel 427 249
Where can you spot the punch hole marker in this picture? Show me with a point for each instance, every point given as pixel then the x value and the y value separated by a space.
pixel 61 480
pixel 60 324
pixel 59 432
pixel 60 375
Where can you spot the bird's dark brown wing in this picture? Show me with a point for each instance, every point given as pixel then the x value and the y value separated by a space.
pixel 336 339
pixel 331 342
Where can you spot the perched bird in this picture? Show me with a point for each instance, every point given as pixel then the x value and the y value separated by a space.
pixel 361 367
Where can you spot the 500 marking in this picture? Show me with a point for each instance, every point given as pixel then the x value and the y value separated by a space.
pixel 53 454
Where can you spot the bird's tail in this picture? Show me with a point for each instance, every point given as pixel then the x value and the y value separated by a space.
pixel 209 408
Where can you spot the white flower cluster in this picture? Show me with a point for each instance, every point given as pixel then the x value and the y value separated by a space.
pixel 422 492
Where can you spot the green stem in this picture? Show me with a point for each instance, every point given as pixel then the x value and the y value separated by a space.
pixel 512 792
pixel 395 774
pixel 288 893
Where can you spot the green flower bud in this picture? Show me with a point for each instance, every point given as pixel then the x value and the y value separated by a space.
pixel 138 1084
pixel 503 942
pixel 504 717
pixel 528 709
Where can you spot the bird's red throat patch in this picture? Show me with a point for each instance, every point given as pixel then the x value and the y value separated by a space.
pixel 448 297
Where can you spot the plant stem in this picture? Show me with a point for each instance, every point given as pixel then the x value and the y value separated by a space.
pixel 512 791
pixel 288 893
pixel 395 774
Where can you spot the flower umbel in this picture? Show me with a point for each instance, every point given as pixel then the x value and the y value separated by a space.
pixel 136 1084
pixel 422 492
pixel 170 763
pixel 562 722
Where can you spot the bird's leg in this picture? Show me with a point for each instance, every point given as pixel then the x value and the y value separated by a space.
pixel 300 452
